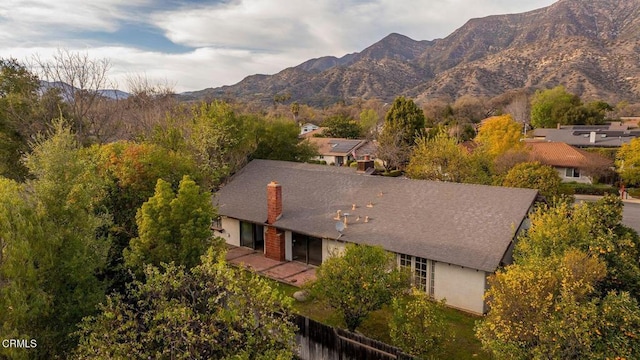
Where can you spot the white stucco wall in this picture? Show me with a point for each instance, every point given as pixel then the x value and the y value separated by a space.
pixel 330 247
pixel 563 175
pixel 461 287
pixel 231 231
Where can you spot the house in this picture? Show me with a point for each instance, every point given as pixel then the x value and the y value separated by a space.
pixel 572 164
pixel 313 133
pixel 451 236
pixel 583 136
pixel 338 151
pixel 307 128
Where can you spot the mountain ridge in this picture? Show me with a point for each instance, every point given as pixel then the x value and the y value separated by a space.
pixel 589 47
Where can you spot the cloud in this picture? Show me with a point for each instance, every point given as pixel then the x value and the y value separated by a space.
pixel 221 42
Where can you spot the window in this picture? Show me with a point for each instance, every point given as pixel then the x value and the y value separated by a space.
pixel 405 261
pixel 572 172
pixel 251 235
pixel 422 271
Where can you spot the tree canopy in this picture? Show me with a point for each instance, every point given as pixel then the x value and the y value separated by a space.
pixel 402 124
pixel 53 254
pixel 557 106
pixel 628 162
pixel 340 126
pixel 533 175
pixel 500 134
pixel 172 227
pixel 212 311
pixel 358 281
pixel 278 140
pixel 572 292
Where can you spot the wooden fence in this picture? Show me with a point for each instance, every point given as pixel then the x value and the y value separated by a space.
pixel 319 341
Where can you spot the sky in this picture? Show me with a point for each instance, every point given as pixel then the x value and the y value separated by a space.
pixel 192 45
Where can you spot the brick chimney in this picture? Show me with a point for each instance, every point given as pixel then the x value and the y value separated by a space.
pixel 274 202
pixel 274 238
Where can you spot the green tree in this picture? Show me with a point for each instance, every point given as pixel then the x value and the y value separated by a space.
pixel 278 140
pixel 359 281
pixel 533 175
pixel 550 107
pixel 402 124
pixel 221 140
pixel 628 162
pixel 548 308
pixel 500 134
pixel 594 228
pixel 172 227
pixel 130 171
pixel 418 326
pixel 23 113
pixel 439 158
pixel 53 254
pixel 369 121
pixel 210 312
pixel 340 126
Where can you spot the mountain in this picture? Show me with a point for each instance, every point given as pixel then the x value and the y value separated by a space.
pixel 590 47
pixel 67 90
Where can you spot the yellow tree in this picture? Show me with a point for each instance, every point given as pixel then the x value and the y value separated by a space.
pixel 498 134
pixel 628 162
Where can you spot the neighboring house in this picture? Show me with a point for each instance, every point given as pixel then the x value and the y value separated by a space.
pixel 572 164
pixel 307 128
pixel 317 132
pixel 339 151
pixel 451 236
pixel 610 135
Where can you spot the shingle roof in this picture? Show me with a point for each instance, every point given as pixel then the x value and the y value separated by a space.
pixel 335 146
pixel 461 224
pixel 580 136
pixel 563 155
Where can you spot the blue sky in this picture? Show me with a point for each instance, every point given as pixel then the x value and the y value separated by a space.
pixel 192 45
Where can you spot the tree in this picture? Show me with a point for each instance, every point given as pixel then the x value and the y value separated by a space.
pixel 439 158
pixel 130 172
pixel 221 140
pixel 54 254
pixel 23 113
pixel 402 124
pixel 418 326
pixel 468 109
pixel 593 228
pixel 533 175
pixel 295 111
pixel 369 122
pixel 278 140
pixel 519 109
pixel 339 126
pixel 212 311
pixel 549 107
pixel 80 79
pixel 172 227
pixel 500 134
pixel 628 162
pixel 549 309
pixel 573 290
pixel 361 280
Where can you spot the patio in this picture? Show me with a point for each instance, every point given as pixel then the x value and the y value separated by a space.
pixel 290 272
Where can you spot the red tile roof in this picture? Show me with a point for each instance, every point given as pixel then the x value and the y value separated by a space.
pixel 564 155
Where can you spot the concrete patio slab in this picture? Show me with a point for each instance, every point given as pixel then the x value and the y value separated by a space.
pixel 256 262
pixel 290 272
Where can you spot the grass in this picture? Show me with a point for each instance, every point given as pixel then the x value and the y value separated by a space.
pixel 463 345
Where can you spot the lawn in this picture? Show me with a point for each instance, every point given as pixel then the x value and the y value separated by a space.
pixel 463 345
